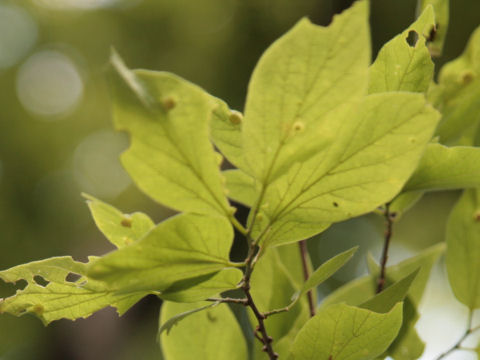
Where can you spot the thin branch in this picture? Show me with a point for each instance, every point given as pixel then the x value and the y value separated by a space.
pixel 389 217
pixel 266 340
pixel 276 311
pixel 306 274
pixel 458 344
pixel 229 300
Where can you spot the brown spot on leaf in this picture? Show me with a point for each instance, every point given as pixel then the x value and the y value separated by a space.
pixel 126 222
pixel 168 103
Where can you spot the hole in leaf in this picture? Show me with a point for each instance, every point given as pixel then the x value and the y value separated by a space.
pixel 432 33
pixel 72 277
pixel 412 38
pixel 40 280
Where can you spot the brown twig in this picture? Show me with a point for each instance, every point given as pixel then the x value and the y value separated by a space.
pixel 265 339
pixel 389 217
pixel 306 274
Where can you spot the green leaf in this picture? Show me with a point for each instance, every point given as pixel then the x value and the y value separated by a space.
pixel 202 287
pixel 120 229
pixel 457 93
pixel 171 157
pixel 463 249
pixel 444 168
pixel 226 127
pixel 298 84
pixel 241 187
pixel 361 289
pixel 401 66
pixel 344 332
pixel 377 149
pixel 181 248
pixel 51 294
pixel 170 323
pixel 386 300
pixel 441 8
pixel 327 269
pixel 407 346
pixel 212 333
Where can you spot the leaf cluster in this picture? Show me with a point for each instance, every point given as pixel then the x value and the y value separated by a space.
pixel 325 136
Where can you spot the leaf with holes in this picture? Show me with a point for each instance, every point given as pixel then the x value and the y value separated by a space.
pixel 404 66
pixel 51 296
pixel 436 37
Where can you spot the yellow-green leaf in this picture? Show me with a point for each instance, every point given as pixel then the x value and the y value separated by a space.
pixel 378 146
pixel 179 249
pixel 463 249
pixel 298 84
pixel 57 288
pixel 170 157
pixel 212 333
pixel 345 332
pixel 404 66
pixel 120 229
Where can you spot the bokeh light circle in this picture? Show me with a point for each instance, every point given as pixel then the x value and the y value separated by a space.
pixel 49 84
pixel 96 165
pixel 18 33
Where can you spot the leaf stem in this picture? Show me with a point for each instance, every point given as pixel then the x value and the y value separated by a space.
pixel 306 274
pixel 389 217
pixel 458 344
pixel 237 225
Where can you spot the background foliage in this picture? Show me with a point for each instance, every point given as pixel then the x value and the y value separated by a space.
pixel 57 141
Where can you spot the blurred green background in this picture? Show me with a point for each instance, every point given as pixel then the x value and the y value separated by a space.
pixel 56 141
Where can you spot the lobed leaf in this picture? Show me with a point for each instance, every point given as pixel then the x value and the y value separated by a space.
pixel 378 146
pixel 298 84
pixel 120 229
pixel 177 250
pixel 212 333
pixel 51 294
pixel 402 66
pixel 171 157
pixel 463 249
pixel 446 168
pixel 341 332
